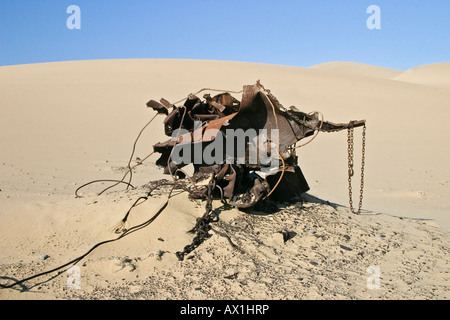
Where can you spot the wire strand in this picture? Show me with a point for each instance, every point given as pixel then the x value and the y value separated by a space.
pixel 76 260
pixel 278 149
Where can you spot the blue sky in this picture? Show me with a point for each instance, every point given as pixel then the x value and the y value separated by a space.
pixel 285 32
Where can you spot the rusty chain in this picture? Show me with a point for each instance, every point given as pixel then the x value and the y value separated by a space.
pixel 350 168
pixel 202 227
pixel 203 224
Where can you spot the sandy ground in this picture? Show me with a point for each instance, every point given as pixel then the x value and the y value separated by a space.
pixel 65 124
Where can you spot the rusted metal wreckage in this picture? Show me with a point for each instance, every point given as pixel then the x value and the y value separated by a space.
pixel 238 177
pixel 235 178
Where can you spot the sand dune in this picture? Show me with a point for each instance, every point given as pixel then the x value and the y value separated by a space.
pixel 67 123
pixel 433 75
pixel 358 69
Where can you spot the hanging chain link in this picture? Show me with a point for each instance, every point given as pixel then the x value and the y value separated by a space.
pixel 350 168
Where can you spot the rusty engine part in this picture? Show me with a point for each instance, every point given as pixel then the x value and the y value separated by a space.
pixel 238 179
